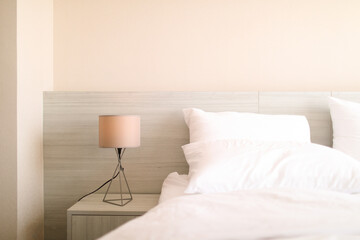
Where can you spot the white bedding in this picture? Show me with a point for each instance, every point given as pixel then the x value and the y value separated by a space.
pixel 174 185
pixel 249 214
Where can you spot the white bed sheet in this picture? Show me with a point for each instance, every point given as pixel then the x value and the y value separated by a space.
pixel 250 214
pixel 174 185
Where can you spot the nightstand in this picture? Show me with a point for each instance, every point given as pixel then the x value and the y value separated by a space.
pixel 92 218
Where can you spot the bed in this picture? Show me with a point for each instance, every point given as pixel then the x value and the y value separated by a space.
pixel 270 214
pixel 236 207
pixel 258 176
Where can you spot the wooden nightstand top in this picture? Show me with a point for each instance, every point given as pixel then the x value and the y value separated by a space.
pixel 93 205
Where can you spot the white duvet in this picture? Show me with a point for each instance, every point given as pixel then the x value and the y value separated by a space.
pixel 250 214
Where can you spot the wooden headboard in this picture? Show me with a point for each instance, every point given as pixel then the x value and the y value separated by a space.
pixel 75 165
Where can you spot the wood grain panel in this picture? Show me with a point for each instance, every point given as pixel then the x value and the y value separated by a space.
pixel 313 105
pixel 93 227
pixel 75 165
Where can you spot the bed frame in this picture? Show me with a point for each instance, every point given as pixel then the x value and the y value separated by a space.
pixel 75 165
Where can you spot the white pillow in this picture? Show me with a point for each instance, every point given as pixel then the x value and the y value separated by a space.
pixel 204 126
pixel 232 165
pixel 345 117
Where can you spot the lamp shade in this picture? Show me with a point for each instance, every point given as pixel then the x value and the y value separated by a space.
pixel 119 131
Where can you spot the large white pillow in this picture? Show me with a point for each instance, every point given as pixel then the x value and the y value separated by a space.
pixel 345 118
pixel 204 126
pixel 231 165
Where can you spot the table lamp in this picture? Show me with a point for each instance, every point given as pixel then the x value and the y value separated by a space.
pixel 119 132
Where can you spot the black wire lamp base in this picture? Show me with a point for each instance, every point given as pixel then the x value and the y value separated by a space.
pixel 124 197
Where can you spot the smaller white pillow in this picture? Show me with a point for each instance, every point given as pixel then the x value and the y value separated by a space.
pixel 232 165
pixel 205 126
pixel 345 116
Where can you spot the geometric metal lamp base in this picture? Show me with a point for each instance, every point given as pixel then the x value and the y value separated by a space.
pixel 121 202
pixel 118 201
pixel 124 197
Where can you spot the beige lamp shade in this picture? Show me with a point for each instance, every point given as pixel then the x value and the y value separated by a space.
pixel 119 131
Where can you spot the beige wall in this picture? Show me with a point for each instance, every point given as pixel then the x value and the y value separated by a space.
pixel 300 45
pixel 8 148
pixel 35 75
